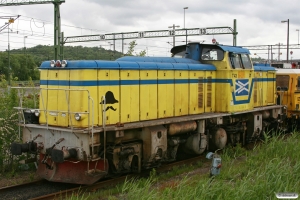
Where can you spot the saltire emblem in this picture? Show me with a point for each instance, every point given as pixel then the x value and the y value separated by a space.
pixel 242 87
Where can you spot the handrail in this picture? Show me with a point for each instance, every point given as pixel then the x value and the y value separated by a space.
pixel 103 124
pixel 68 111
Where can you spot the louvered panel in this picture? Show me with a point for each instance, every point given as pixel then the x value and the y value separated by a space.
pixel 208 99
pixel 255 92
pixel 200 92
pixel 209 90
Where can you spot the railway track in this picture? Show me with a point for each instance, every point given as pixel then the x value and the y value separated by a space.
pixel 32 189
pixel 55 190
pixel 20 186
pixel 114 181
pixel 51 190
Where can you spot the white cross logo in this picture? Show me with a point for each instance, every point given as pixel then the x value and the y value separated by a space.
pixel 242 87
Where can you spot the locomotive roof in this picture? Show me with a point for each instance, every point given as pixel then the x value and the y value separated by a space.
pixel 287 71
pixel 233 49
pixel 157 59
pixel 181 64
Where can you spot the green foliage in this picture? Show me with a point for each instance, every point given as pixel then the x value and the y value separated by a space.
pixel 259 60
pixel 42 53
pixel 21 66
pixel 131 47
pixel 9 129
pixel 232 152
pixel 270 168
pixel 24 63
pixel 8 125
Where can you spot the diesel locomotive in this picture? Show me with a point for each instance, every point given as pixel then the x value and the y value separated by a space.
pixel 103 118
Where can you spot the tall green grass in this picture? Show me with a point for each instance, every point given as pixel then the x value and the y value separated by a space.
pixel 9 129
pixel 258 174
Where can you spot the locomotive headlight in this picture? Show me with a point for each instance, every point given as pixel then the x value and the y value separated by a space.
pixel 77 116
pixel 52 63
pixel 37 113
pixel 64 63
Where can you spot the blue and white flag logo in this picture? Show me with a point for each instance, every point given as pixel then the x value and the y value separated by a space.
pixel 242 87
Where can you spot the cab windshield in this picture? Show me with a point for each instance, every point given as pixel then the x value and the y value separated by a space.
pixel 239 61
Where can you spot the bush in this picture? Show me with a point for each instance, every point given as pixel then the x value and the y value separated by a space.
pixel 9 129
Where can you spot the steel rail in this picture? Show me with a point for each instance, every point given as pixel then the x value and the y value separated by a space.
pixel 114 181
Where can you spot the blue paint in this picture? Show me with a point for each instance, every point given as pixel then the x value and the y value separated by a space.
pixel 162 82
pixel 234 49
pixel 241 87
pixel 184 64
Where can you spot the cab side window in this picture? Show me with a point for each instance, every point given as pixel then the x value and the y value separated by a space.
pixel 212 54
pixel 282 82
pixel 235 61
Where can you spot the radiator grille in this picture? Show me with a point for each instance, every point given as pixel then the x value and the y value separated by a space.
pixel 200 92
pixel 209 91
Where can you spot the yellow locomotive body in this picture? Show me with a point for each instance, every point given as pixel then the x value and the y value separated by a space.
pixel 98 118
pixel 288 92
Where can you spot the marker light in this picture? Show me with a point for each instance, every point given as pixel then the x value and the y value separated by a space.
pixel 58 63
pixel 64 63
pixel 52 63
pixel 77 116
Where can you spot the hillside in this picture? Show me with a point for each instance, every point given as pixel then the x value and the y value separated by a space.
pixel 43 52
pixel 24 63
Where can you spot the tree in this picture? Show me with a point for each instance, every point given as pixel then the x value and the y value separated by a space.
pixel 22 66
pixel 131 47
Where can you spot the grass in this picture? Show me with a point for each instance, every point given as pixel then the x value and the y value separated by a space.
pixel 257 174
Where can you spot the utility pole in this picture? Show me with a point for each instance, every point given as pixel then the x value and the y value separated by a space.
pixel 25 50
pixel 58 36
pixel 25 44
pixel 8 51
pixel 288 30
pixel 184 23
pixel 173 32
pixel 278 50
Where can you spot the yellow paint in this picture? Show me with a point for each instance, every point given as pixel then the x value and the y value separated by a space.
pixel 52 98
pixel 225 91
pixel 181 94
pixel 62 100
pixel 271 86
pixel 43 97
pixel 148 95
pixel 291 97
pixel 197 93
pixel 112 115
pixel 129 99
pixel 165 94
pixel 79 99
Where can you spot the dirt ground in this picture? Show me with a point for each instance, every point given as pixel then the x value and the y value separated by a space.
pixel 10 179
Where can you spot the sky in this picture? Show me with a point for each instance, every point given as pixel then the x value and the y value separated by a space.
pixel 258 23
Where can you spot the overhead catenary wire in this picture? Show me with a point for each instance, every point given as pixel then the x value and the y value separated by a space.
pixel 140 47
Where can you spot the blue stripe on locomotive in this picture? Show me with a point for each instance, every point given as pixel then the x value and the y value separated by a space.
pixel 156 64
